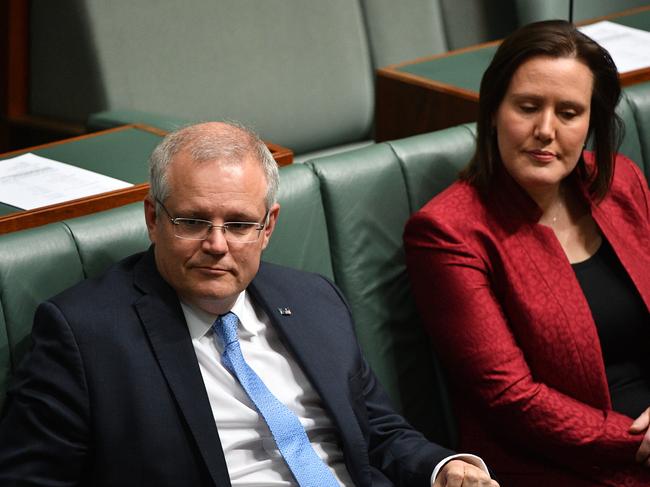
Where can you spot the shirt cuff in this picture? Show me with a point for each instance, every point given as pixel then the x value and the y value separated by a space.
pixel 466 457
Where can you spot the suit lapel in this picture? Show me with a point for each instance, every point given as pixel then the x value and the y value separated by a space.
pixel 309 344
pixel 163 321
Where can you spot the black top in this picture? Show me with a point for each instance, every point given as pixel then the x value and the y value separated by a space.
pixel 623 324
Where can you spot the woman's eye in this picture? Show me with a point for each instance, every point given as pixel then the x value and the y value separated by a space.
pixel 568 115
pixel 527 108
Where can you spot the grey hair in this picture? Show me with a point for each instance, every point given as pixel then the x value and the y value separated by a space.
pixel 228 142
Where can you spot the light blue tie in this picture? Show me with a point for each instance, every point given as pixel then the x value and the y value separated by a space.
pixel 305 465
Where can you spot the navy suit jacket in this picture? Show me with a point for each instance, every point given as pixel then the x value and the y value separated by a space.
pixel 112 395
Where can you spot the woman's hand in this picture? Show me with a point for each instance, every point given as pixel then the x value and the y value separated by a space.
pixel 640 425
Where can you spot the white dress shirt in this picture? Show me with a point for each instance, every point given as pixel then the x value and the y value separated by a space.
pixel 252 456
pixel 251 453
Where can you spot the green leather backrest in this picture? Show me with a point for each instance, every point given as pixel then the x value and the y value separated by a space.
pixel 534 10
pixel 366 207
pixel 631 145
pixel 299 71
pixel 35 264
pixel 106 237
pixel 404 30
pixel 300 239
pixel 470 22
pixel 638 99
pixel 431 162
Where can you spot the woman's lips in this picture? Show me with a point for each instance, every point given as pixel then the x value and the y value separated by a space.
pixel 542 155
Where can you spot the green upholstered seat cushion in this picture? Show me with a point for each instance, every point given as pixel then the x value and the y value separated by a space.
pixel 300 239
pixel 35 264
pixel 109 236
pixel 366 207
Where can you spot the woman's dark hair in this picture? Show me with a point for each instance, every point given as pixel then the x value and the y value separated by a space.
pixel 556 39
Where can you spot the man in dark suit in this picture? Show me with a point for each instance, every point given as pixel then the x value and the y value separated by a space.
pixel 195 364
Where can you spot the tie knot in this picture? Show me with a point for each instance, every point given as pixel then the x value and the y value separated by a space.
pixel 225 327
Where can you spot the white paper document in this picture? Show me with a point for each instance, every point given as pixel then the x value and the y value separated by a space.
pixel 629 47
pixel 30 181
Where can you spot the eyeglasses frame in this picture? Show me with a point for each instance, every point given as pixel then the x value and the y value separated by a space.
pixel 223 227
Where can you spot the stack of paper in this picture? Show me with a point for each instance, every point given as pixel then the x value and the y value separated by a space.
pixel 629 47
pixel 30 181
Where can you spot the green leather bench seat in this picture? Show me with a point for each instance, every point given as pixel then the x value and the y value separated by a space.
pixel 342 215
pixel 366 203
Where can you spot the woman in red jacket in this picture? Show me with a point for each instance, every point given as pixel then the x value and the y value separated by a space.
pixel 532 272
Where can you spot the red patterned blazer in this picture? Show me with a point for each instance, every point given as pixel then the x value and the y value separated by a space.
pixel 514 331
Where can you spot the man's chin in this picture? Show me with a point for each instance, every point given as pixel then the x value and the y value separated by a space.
pixel 213 303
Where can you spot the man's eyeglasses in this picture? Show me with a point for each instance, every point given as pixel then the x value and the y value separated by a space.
pixel 234 232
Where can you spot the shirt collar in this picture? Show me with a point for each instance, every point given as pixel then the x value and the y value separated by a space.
pixel 199 322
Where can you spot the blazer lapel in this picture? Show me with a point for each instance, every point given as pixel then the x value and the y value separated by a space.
pixel 163 321
pixel 569 326
pixel 629 241
pixel 563 331
pixel 307 345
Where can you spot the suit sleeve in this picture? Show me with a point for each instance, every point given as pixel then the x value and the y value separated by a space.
pixel 395 449
pixel 44 432
pixel 452 287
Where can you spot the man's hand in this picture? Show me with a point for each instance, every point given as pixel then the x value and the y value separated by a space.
pixel 458 473
pixel 640 425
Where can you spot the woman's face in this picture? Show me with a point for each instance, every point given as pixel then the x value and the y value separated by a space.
pixel 543 121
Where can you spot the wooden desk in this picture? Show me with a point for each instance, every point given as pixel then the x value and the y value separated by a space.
pixel 125 150
pixel 441 91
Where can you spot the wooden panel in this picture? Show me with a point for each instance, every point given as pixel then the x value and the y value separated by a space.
pixel 282 155
pixel 409 107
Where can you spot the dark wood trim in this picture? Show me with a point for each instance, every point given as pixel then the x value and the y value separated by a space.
pixel 24 219
pixel 282 155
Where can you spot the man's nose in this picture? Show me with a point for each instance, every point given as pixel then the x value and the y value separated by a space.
pixel 216 242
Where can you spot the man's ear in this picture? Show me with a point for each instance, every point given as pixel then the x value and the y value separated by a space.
pixel 274 212
pixel 150 217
